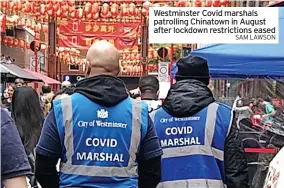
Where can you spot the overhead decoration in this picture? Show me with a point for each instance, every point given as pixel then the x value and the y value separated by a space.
pixel 69 56
pixel 19 43
pixel 95 10
pixel 130 62
pixel 81 35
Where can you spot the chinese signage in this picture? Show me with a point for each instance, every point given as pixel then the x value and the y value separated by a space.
pixel 275 178
pixel 82 34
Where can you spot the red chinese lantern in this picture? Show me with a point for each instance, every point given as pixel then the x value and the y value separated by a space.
pixel 62 3
pixel 79 13
pixel 22 44
pixel 11 5
pixel 89 16
pixel 59 13
pixel 96 16
pixel 17 6
pixel 146 5
pixel 50 10
pixel 53 2
pixel 95 8
pixel 182 3
pixel 15 42
pixel 5 40
pixel 216 3
pixel 42 9
pixel 224 2
pixel 124 9
pixel 71 3
pixel 208 3
pixel 10 41
pixel 105 10
pixel 38 27
pixel 46 2
pixel 73 15
pixel 45 28
pixel 37 36
pixel 27 45
pixel 4 4
pixel 132 9
pixel 114 10
pixel 57 6
pixel 198 3
pixel 88 8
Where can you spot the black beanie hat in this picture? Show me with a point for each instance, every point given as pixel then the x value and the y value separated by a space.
pixel 193 67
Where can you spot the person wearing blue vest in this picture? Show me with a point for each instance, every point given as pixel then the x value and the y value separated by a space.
pixel 103 137
pixel 198 135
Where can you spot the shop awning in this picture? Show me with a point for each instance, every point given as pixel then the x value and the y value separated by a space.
pixel 12 71
pixel 3 70
pixel 44 78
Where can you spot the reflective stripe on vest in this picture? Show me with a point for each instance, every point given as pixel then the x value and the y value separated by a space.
pixel 193 183
pixel 205 149
pixel 69 168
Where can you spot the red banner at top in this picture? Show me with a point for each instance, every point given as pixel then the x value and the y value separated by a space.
pixel 82 34
pixel 98 29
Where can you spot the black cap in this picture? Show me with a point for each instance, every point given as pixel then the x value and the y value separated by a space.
pixel 193 67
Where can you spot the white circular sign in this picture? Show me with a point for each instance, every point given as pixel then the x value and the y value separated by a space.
pixel 163 70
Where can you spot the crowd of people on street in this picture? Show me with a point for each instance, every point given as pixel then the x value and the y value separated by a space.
pixel 103 136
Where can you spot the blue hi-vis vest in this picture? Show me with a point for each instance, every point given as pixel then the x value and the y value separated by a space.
pixel 99 144
pixel 193 147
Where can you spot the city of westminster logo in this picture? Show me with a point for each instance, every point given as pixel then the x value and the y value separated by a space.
pixel 102 113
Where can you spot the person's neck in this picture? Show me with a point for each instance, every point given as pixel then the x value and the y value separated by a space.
pixel 149 96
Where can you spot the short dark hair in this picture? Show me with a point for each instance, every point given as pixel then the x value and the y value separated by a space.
pixel 19 80
pixel 149 83
pixel 46 89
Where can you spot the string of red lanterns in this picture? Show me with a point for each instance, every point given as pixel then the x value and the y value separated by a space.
pixel 94 10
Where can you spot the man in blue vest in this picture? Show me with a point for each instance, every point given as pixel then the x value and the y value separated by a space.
pixel 199 141
pixel 103 137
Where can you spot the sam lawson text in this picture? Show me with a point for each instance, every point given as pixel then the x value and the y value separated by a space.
pixel 256 37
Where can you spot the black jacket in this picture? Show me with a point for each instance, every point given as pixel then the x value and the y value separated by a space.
pixel 186 98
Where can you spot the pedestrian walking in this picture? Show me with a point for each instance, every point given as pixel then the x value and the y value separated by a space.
pixel 200 143
pixel 15 166
pixel 28 116
pixel 103 137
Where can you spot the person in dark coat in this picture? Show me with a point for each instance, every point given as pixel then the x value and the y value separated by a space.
pixel 190 97
pixel 15 165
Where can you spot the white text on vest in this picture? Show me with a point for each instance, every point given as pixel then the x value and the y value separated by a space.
pixel 89 156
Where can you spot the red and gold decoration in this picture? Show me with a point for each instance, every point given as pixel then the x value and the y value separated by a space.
pixel 82 35
pixel 69 56
pixel 130 61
